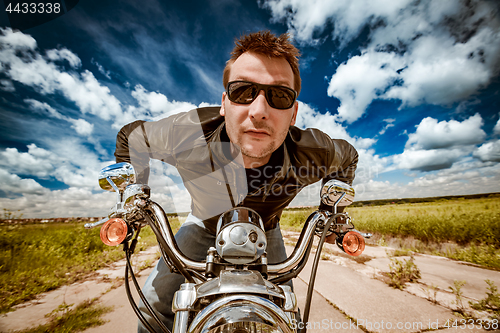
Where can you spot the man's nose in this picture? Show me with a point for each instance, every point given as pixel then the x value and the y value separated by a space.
pixel 259 108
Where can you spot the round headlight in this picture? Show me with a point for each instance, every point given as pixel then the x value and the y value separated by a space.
pixel 241 314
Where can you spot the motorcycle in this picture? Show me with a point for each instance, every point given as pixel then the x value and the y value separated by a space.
pixel 235 289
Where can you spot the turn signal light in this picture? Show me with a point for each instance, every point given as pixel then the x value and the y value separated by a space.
pixel 114 232
pixel 353 243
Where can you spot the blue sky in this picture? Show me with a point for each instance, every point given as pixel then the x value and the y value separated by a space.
pixel 413 85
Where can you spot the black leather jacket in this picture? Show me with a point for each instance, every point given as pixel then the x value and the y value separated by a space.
pixel 195 143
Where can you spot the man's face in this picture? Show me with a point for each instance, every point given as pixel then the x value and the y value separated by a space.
pixel 256 128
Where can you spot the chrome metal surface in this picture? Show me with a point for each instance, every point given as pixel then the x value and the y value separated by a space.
pixel 241 243
pixel 133 190
pixel 239 214
pixel 332 191
pixel 181 320
pixel 184 297
pixel 95 224
pixel 238 281
pixel 290 299
pixel 272 269
pixel 169 239
pixel 240 309
pixel 119 174
pixel 300 250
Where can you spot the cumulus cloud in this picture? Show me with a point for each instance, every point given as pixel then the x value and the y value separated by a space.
pixel 429 160
pixel 66 160
pixel 438 145
pixel 158 104
pixel 361 80
pixel 435 52
pixel 465 177
pixel 69 202
pixel 14 184
pixel 489 151
pixel 431 134
pixel 308 117
pixel 308 18
pixel 35 162
pixel 496 129
pixel 21 62
pixel 370 164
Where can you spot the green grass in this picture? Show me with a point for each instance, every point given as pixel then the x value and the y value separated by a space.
pixel 462 229
pixel 40 257
pixel 474 221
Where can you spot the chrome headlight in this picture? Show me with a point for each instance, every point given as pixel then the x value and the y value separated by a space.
pixel 241 314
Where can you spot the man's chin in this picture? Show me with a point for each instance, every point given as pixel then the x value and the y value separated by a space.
pixel 256 153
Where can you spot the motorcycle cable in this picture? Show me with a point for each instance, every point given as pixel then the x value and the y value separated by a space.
pixel 136 309
pixel 284 278
pixel 175 261
pixel 287 276
pixel 314 269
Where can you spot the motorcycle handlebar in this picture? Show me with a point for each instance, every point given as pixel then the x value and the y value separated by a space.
pixel 273 269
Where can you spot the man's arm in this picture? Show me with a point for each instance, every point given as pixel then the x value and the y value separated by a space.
pixel 342 166
pixel 133 150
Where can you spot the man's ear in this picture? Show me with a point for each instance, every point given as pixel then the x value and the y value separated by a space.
pixel 294 115
pixel 222 109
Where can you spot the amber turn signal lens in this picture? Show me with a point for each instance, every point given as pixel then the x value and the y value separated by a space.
pixel 114 232
pixel 353 243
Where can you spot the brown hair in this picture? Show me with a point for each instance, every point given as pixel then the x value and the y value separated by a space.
pixel 266 43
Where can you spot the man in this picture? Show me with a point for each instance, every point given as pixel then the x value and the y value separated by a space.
pixel 245 153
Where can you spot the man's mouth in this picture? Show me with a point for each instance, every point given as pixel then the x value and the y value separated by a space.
pixel 258 133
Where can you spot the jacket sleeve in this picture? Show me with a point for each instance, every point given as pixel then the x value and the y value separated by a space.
pixel 344 160
pixel 140 141
pixel 133 151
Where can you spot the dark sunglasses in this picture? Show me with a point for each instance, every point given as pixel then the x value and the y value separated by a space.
pixel 245 92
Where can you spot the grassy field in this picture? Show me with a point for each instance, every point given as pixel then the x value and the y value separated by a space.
pixel 463 229
pixel 35 258
pixel 39 257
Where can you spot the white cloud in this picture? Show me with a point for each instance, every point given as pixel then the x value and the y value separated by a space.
pixel 466 177
pixel 438 145
pixel 81 126
pixel 489 151
pixel 496 129
pixel 428 160
pixel 390 124
pixel 71 202
pixel 64 54
pixel 14 184
pixel 436 52
pixel 36 162
pixel 20 61
pixel 305 18
pixel 66 160
pixel 158 104
pixel 431 134
pixel 307 117
pixel 101 69
pixel 44 107
pixel 361 80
